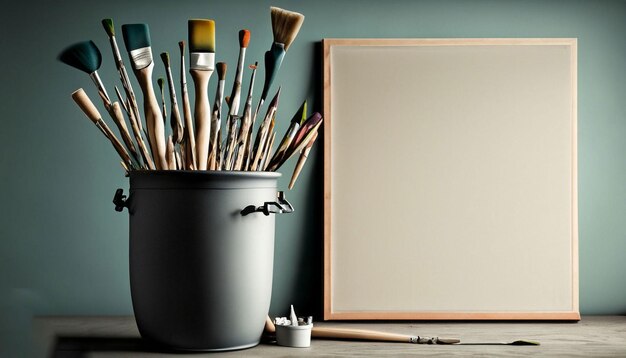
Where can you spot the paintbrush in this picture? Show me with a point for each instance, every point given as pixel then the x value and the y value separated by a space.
pixel 268 148
pixel 201 66
pixel 189 138
pixel 298 118
pixel 118 118
pixel 216 116
pixel 365 335
pixel 246 125
pixel 261 138
pixel 302 138
pixel 85 104
pixel 175 121
pixel 303 157
pixel 231 144
pixel 128 88
pixel 161 83
pixel 235 94
pixel 171 156
pixel 285 27
pixel 86 57
pixel 145 153
pixel 137 40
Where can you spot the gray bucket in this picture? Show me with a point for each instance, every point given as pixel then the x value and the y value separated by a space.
pixel 201 256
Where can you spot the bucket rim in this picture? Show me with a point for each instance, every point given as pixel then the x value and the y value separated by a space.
pixel 211 173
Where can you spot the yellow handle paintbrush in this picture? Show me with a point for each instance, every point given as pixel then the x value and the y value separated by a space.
pixel 201 66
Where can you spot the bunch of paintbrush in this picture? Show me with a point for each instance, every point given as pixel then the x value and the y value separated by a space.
pixel 195 141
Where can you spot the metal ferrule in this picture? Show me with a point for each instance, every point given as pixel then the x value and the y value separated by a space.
pixel 101 91
pixel 141 57
pixel 203 61
pixel 116 50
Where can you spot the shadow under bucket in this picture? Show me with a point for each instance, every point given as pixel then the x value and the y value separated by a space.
pixel 201 256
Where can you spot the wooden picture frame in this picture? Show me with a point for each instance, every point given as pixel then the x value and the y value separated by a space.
pixel 450 179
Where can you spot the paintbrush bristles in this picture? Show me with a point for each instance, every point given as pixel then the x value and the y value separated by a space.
pixel 181 46
pixel 108 27
pixel 166 59
pixel 285 25
pixel 84 56
pixel 201 35
pixel 136 36
pixel 221 70
pixel 244 38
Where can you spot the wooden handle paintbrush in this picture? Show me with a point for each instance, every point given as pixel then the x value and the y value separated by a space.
pixel 298 118
pixel 216 116
pixel 303 157
pixel 261 138
pixel 302 138
pixel 143 148
pixel 118 118
pixel 189 137
pixel 109 28
pixel 175 121
pixel 137 40
pixel 201 66
pixel 365 335
pixel 246 125
pixel 235 94
pixel 85 104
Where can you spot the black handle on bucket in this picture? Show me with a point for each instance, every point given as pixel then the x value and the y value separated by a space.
pixel 120 200
pixel 281 206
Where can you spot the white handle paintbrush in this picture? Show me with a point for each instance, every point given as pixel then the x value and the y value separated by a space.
pixel 201 66
pixel 137 40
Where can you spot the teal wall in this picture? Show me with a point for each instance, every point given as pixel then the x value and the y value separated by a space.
pixel 64 250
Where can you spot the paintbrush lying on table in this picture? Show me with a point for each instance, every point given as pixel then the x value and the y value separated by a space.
pixel 365 335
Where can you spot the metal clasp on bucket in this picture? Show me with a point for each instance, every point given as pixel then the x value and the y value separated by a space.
pixel 281 206
pixel 120 200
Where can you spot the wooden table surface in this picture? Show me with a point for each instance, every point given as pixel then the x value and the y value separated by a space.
pixel 593 336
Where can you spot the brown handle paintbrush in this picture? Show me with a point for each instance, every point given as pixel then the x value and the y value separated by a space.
pixel 118 118
pixel 303 157
pixel 85 104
